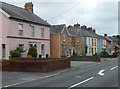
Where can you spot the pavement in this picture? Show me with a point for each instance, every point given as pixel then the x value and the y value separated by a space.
pixel 81 74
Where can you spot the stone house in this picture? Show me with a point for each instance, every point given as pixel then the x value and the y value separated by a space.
pixel 65 42
pixel 77 39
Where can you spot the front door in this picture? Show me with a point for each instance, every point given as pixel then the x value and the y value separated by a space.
pixel 70 52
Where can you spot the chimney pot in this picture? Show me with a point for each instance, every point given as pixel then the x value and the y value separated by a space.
pixel 83 27
pixel 89 28
pixel 77 25
pixel 105 34
pixel 29 6
pixel 94 31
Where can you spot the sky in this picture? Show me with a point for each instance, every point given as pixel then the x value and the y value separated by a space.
pixel 101 15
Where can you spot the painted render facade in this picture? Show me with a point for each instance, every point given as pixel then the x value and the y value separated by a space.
pixel 87 40
pixel 100 45
pixel 17 32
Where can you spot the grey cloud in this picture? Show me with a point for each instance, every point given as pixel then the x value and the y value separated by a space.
pixel 103 17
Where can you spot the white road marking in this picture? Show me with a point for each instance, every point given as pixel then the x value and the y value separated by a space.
pixel 45 76
pixel 53 74
pixel 80 82
pixel 77 76
pixel 101 72
pixel 114 68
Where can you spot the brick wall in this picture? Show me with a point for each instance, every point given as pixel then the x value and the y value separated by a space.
pixel 85 58
pixel 35 65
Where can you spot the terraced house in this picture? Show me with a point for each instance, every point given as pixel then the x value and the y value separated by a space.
pixel 101 41
pixel 92 42
pixel 77 40
pixel 65 42
pixel 109 44
pixel 88 40
pixel 22 27
pixel 87 45
pixel 59 41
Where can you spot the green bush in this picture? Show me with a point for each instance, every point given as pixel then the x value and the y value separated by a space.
pixel 20 50
pixel 17 52
pixel 104 53
pixel 32 51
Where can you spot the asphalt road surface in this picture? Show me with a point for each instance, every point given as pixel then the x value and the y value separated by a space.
pixel 103 74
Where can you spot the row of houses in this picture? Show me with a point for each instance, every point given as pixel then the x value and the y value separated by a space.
pixel 21 27
pixel 77 40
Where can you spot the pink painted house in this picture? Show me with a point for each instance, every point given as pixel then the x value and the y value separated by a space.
pixel 20 27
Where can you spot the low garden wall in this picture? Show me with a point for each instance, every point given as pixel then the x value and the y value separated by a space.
pixel 96 58
pixel 35 64
pixel 85 58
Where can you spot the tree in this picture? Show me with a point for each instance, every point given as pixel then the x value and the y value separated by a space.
pixel 32 51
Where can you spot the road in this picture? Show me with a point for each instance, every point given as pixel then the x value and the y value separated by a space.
pixel 103 74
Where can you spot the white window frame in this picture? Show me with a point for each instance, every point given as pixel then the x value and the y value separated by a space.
pixel 20 29
pixel 64 37
pixel 78 51
pixel 65 50
pixel 21 46
pixel 43 50
pixel 42 32
pixel 32 28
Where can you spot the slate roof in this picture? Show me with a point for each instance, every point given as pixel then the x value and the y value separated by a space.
pixel 72 31
pixel 108 39
pixel 57 29
pixel 22 14
pixel 86 33
pixel 96 35
pixel 100 37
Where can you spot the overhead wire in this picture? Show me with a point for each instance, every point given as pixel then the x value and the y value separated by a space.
pixel 61 14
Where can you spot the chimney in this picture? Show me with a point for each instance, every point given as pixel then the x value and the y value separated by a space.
pixel 105 34
pixel 89 28
pixel 29 6
pixel 94 30
pixel 83 27
pixel 77 25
